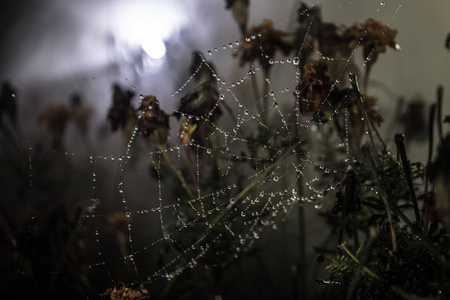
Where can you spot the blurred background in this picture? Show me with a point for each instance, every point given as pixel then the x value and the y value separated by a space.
pixel 52 49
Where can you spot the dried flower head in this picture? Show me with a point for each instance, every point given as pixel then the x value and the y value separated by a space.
pixel 240 12
pixel 80 113
pixel 201 101
pixel 153 122
pixel 123 293
pixel 8 103
pixel 54 118
pixel 117 222
pixel 413 120
pixel 119 111
pixel 370 105
pixel 373 35
pixel 262 42
pixel 314 87
pixel 357 123
pixel 330 40
pixel 202 69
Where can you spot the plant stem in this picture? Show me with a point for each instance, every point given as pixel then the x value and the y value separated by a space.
pixel 355 87
pixel 397 211
pixel 430 141
pixel 184 184
pixel 366 76
pixel 369 272
pixel 384 198
pixel 401 148
pixel 239 196
pixel 266 96
pixel 440 93
pixel 301 270
pixel 256 91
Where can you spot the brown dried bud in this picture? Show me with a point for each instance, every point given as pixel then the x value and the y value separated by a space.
pixel 80 113
pixel 153 122
pixel 122 293
pixel 117 222
pixel 240 12
pixel 262 42
pixel 119 111
pixel 54 118
pixel 373 35
pixel 201 101
pixel 314 88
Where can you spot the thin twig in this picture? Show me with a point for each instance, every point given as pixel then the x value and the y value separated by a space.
pixel 355 87
pixel 256 92
pixel 401 148
pixel 265 111
pixel 430 141
pixel 440 93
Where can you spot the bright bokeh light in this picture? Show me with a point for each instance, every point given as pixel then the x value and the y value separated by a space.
pixel 154 46
pixel 146 24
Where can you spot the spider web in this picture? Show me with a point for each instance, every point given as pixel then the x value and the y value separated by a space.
pixel 167 237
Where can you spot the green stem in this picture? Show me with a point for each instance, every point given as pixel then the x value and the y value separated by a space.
pixel 369 272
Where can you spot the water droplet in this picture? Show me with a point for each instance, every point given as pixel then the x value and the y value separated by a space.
pixel 276 178
pixel 271 61
pixel 221 96
pixel 209 52
pixel 230 45
pixel 141 96
pixel 382 3
pixel 271 93
pixel 296 61
pixel 397 47
pixel 208 151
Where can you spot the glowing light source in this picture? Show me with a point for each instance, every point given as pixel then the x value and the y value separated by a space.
pixel 146 24
pixel 154 46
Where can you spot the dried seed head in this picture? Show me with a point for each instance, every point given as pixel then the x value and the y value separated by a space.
pixel 121 105
pixel 153 122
